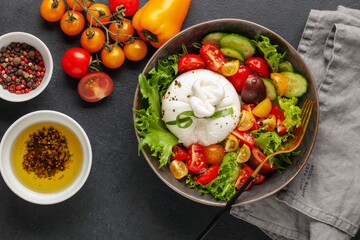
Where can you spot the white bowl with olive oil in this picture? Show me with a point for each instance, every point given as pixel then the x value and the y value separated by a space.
pixel 45 157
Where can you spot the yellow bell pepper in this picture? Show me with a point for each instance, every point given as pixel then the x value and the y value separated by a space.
pixel 159 20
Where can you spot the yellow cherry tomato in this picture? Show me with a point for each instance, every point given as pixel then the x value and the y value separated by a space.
pixel 263 108
pixel 230 68
pixel 92 41
pixel 231 143
pixel 71 4
pixel 178 169
pixel 136 50
pixel 280 82
pixel 113 59
pixel 125 28
pixel 52 10
pixel 100 12
pixel 244 154
pixel 268 123
pixel 247 120
pixel 72 24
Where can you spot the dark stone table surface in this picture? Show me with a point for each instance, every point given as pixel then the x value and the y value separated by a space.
pixel 123 198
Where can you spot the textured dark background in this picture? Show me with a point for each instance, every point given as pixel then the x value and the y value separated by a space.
pixel 123 198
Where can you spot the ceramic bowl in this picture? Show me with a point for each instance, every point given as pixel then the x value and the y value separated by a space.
pixel 275 181
pixel 23 37
pixel 7 166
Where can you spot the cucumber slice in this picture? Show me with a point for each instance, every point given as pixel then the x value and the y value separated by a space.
pixel 232 53
pixel 241 43
pixel 286 66
pixel 213 38
pixel 270 89
pixel 296 84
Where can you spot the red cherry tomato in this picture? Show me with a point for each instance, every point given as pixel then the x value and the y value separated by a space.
pixel 180 153
pixel 130 5
pixel 281 128
pixel 258 178
pixel 214 59
pixel 239 78
pixel 245 173
pixel 258 157
pixel 196 160
pixel 209 175
pixel 95 86
pixel 190 62
pixel 244 137
pixel 75 62
pixel 259 66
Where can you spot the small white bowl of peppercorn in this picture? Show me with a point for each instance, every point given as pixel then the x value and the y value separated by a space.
pixel 26 66
pixel 45 157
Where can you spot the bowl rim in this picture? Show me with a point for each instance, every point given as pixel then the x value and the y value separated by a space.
pixel 48 74
pixel 311 81
pixel 64 194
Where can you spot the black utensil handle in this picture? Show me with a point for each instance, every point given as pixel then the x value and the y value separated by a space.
pixel 224 209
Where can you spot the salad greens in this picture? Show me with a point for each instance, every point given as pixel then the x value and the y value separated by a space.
pixel 149 124
pixel 291 112
pixel 271 55
pixel 223 186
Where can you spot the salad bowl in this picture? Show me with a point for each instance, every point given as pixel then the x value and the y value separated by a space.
pixel 275 181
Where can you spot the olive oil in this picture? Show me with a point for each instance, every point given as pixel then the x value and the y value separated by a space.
pixel 63 178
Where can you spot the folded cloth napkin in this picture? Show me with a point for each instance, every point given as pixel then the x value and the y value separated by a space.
pixel 323 201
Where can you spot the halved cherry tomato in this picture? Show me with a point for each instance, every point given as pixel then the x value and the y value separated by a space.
pixel 130 5
pixel 263 108
pixel 71 4
pixel 190 62
pixel 231 143
pixel 99 11
pixel 118 29
pixel 209 175
pixel 214 154
pixel 113 59
pixel 258 178
pixel 92 41
pixel 247 120
pixel 268 123
pixel 281 129
pixel 214 59
pixel 250 107
pixel 259 66
pixel 244 154
pixel 245 137
pixel 72 24
pixel 196 160
pixel 280 82
pixel 178 169
pixel 95 86
pixel 258 157
pixel 245 173
pixel 179 153
pixel 230 68
pixel 135 51
pixel 52 10
pixel 239 78
pixel 75 62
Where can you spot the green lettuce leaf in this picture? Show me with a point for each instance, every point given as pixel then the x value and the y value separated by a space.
pixel 271 55
pixel 223 186
pixel 291 112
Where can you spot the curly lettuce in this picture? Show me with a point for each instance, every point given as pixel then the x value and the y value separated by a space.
pixel 291 112
pixel 223 186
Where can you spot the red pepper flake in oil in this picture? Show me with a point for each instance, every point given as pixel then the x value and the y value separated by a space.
pixel 47 153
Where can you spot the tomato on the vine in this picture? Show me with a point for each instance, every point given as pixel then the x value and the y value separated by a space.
pixel 113 59
pixel 71 4
pixel 99 11
pixel 130 5
pixel 95 86
pixel 135 51
pixel 214 59
pixel 52 10
pixel 92 41
pixel 75 62
pixel 125 27
pixel 190 62
pixel 72 24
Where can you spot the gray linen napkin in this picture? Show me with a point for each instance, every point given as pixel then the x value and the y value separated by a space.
pixel 323 201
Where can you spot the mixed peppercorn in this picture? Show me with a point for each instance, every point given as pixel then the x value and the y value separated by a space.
pixel 22 68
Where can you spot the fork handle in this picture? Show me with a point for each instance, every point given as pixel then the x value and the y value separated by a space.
pixel 225 209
